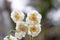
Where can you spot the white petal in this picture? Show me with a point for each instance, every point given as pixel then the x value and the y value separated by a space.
pixel 35 12
pixel 25 25
pixel 38 17
pixel 35 33
pixel 21 31
pixel 20 15
pixel 11 37
pixel 19 35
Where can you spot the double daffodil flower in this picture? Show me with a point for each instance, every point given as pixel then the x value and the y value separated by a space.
pixel 21 28
pixel 17 16
pixel 33 17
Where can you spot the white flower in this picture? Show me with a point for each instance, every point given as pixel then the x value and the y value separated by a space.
pixel 33 17
pixel 19 35
pixel 21 28
pixel 17 16
pixel 34 30
pixel 11 38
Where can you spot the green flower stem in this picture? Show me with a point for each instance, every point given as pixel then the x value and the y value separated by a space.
pixel 31 38
pixel 10 33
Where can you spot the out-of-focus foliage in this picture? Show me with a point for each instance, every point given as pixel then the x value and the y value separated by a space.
pixel 49 31
pixel 42 6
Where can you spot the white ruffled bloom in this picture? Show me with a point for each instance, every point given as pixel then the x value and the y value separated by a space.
pixel 33 17
pixel 19 35
pixel 11 38
pixel 17 16
pixel 34 30
pixel 21 28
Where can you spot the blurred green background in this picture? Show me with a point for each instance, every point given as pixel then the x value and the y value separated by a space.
pixel 49 30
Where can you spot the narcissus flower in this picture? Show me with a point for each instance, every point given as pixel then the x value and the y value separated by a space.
pixel 34 30
pixel 20 35
pixel 11 38
pixel 17 16
pixel 33 17
pixel 21 28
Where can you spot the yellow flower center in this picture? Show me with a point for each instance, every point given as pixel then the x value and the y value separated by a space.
pixel 22 28
pixel 33 29
pixel 33 17
pixel 16 16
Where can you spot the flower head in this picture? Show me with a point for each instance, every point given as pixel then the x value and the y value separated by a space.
pixel 20 35
pixel 33 17
pixel 34 30
pixel 21 28
pixel 11 38
pixel 17 16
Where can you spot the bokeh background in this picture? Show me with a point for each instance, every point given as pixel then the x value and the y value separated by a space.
pixel 49 9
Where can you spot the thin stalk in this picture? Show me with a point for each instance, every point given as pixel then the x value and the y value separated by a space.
pixel 31 38
pixel 10 33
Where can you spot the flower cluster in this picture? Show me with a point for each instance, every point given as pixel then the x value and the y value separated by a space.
pixel 30 26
